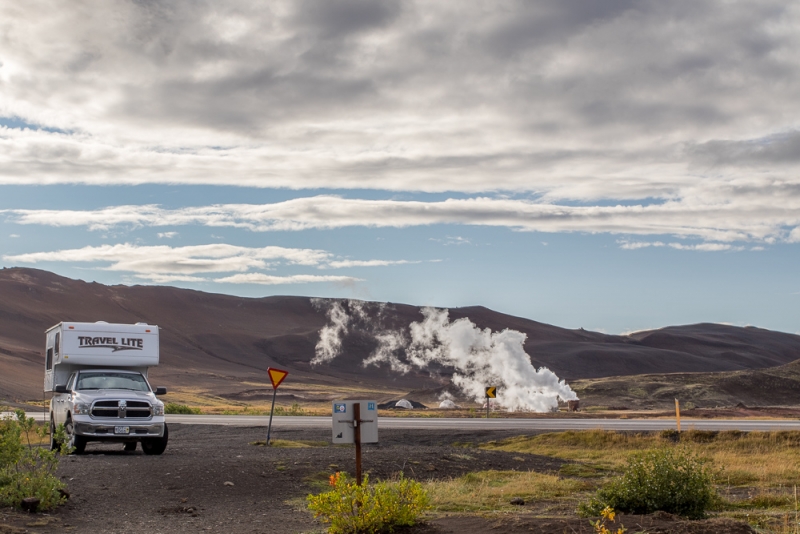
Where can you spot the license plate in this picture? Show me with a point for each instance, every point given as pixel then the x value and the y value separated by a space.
pixel 122 430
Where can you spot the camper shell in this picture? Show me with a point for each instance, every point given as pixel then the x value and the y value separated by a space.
pixel 74 346
pixel 97 373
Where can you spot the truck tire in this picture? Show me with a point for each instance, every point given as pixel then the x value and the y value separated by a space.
pixel 156 445
pixel 54 445
pixel 74 441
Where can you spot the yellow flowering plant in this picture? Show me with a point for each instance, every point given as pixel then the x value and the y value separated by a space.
pixel 607 515
pixel 369 508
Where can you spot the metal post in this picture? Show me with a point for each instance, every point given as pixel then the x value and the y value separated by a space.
pixel 357 438
pixel 269 428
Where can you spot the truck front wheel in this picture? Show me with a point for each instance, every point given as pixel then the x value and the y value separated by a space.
pixel 73 440
pixel 156 445
pixel 54 444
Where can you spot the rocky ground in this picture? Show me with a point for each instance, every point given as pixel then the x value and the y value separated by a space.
pixel 214 479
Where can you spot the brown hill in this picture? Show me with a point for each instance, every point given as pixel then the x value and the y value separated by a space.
pixel 773 386
pixel 221 342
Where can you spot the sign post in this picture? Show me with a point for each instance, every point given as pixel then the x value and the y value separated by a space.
pixel 349 427
pixel 276 376
pixel 491 393
pixel 678 414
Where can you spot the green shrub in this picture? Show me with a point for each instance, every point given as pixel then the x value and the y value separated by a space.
pixel 180 409
pixel 26 468
pixel 672 480
pixel 353 509
pixel 295 410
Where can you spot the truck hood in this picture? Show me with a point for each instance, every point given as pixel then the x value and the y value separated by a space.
pixel 99 394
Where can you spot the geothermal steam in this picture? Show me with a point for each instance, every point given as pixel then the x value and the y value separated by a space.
pixel 479 358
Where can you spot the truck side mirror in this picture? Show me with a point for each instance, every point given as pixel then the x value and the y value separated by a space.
pixel 161 391
pixel 61 388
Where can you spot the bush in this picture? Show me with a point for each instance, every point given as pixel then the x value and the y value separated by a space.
pixel 353 509
pixel 295 410
pixel 180 409
pixel 27 469
pixel 672 480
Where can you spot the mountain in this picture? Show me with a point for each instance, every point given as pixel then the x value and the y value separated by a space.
pixel 221 342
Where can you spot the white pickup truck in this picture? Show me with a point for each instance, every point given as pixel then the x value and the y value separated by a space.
pixel 97 373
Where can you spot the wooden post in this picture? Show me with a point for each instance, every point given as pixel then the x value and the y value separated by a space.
pixel 357 438
pixel 678 414
pixel 269 429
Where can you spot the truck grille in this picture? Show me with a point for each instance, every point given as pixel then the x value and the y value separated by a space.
pixel 121 409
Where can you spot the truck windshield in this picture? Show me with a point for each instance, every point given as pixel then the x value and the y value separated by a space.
pixel 111 380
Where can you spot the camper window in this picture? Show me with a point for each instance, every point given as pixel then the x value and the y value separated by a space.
pixel 49 360
pixel 57 343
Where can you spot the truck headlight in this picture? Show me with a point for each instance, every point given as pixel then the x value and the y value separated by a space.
pixel 80 408
pixel 158 409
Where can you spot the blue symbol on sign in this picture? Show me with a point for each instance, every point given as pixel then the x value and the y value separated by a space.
pixel 339 408
pixel 370 406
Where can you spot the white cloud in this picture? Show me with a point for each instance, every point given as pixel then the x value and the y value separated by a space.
pixel 164 264
pixel 569 100
pixel 758 211
pixel 13 236
pixel 265 279
pixel 167 235
pixel 340 264
pixel 703 247
pixel 165 260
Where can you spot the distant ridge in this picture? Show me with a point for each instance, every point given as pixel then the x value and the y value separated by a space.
pixel 214 340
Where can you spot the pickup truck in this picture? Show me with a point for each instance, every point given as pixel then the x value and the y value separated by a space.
pixel 109 405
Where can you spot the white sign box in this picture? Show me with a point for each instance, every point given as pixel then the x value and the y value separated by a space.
pixel 344 427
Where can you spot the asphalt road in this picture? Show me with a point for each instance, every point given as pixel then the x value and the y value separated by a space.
pixel 416 423
pixel 413 423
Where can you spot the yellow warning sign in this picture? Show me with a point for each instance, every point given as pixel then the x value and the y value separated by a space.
pixel 491 392
pixel 276 376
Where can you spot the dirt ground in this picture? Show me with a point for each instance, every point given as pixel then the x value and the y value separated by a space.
pixel 213 479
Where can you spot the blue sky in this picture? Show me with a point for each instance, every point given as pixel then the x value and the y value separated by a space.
pixel 614 166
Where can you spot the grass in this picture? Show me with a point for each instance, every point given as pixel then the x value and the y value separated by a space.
pixel 291 444
pixel 492 490
pixel 760 459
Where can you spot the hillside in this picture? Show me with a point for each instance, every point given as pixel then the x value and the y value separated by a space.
pixel 222 343
pixel 775 386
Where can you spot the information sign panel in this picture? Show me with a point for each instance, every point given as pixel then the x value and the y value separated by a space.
pixel 343 426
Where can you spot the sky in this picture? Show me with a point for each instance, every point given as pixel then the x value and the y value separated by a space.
pixel 615 166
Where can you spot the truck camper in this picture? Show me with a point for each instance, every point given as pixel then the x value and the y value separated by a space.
pixel 97 373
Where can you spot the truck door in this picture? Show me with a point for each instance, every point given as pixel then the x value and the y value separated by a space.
pixel 62 405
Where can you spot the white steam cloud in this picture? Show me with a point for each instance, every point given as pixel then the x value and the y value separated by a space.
pixel 479 358
pixel 330 337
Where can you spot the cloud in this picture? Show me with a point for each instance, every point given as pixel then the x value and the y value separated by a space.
pixel 13 236
pixel 753 210
pixel 179 260
pixel 165 264
pixel 703 247
pixel 167 235
pixel 265 279
pixel 340 264
pixel 565 100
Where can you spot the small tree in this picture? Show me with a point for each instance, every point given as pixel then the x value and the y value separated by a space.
pixel 672 480
pixel 26 468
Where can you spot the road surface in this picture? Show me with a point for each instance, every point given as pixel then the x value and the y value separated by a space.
pixel 415 423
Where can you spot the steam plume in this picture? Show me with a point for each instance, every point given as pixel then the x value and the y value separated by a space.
pixel 330 337
pixel 479 358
